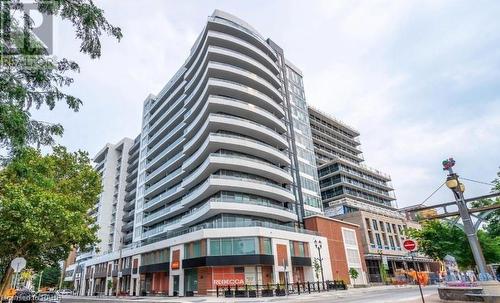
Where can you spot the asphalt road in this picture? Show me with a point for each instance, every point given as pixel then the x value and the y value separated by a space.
pixel 371 295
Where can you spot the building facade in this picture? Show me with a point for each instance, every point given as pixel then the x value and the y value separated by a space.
pixel 356 193
pixel 344 247
pixel 218 183
pixel 111 163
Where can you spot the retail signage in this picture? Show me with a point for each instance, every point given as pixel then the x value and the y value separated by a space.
pixel 227 282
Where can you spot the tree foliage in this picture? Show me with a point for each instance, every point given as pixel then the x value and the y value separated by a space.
pixel 29 79
pixel 50 276
pixel 44 202
pixel 492 225
pixel 437 239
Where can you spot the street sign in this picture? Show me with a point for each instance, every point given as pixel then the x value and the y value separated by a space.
pixel 18 264
pixel 409 245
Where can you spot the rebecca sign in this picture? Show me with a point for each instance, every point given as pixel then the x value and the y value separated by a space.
pixel 227 282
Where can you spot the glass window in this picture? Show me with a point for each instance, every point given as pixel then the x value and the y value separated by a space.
pixel 243 246
pixel 375 225
pixel 215 247
pixel 266 246
pixel 196 249
pixel 227 246
pixel 379 242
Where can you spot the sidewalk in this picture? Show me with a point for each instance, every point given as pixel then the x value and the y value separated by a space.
pixel 339 294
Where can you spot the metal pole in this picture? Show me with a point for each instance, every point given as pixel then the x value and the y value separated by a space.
pixel 40 280
pixel 418 281
pixel 15 277
pixel 469 229
pixel 321 265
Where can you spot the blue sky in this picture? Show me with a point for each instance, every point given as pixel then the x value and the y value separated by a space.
pixel 419 79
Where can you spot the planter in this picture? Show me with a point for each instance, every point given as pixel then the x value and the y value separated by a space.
pixel 267 293
pixel 459 293
pixel 280 292
pixel 252 293
pixel 228 293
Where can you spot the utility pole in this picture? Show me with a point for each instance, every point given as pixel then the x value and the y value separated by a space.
pixel 458 188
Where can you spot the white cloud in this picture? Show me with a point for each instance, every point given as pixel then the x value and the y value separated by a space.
pixel 419 79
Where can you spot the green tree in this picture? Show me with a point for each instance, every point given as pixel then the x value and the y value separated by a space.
pixel 317 268
pixel 492 225
pixel 437 239
pixel 29 79
pixel 353 273
pixel 50 276
pixel 44 202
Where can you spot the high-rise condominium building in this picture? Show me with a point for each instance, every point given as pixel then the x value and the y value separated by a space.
pixel 111 163
pixel 356 193
pixel 346 182
pixel 221 176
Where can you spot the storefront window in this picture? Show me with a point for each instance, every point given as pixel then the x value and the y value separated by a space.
pixel 191 279
pixel 239 246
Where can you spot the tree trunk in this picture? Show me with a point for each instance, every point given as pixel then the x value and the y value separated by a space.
pixel 4 283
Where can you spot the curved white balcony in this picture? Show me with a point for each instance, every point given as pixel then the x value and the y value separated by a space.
pixel 216 141
pixel 219 104
pixel 166 116
pixel 217 183
pixel 214 207
pixel 158 201
pixel 225 70
pixel 238 163
pixel 227 41
pixel 165 167
pixel 237 30
pixel 163 183
pixel 243 92
pixel 167 129
pixel 172 149
pixel 235 58
pixel 168 102
pixel 216 122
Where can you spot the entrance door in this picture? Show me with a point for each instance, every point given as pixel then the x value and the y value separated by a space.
pixel 281 276
pixel 176 285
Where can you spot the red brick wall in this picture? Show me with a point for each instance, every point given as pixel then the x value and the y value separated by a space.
pixel 332 230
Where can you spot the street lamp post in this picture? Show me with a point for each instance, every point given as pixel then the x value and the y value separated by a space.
pixel 381 267
pixel 458 188
pixel 319 245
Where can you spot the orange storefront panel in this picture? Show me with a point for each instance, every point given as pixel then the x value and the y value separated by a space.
pixel 176 259
pixel 282 254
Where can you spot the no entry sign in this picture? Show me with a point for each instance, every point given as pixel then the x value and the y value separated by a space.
pixel 409 245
